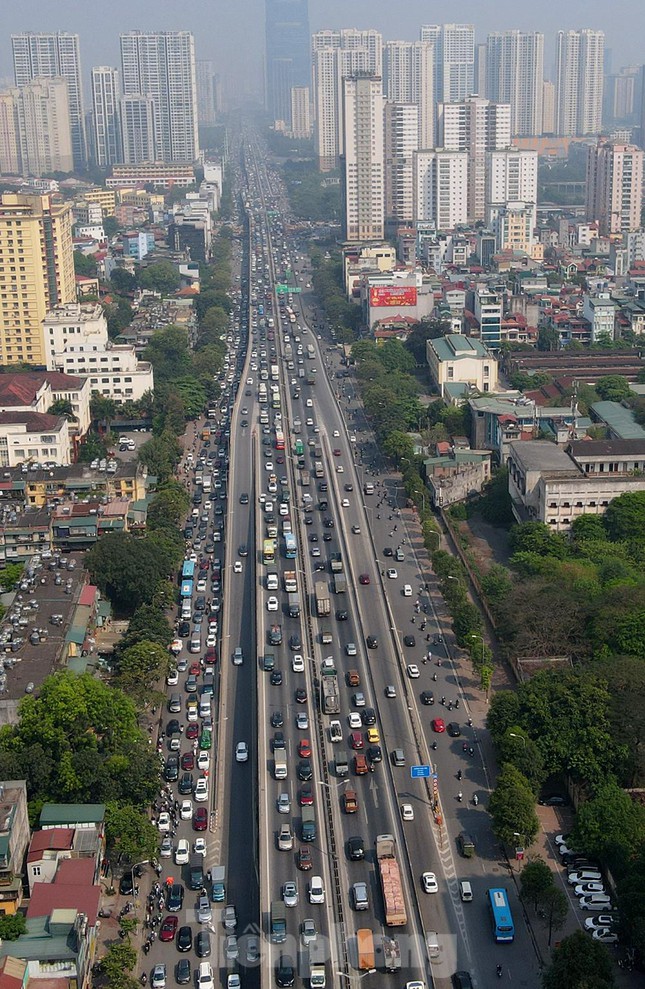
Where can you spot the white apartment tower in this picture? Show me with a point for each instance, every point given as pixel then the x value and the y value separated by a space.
pixel 401 141
pixel 137 130
pixel 441 188
pixel 300 112
pixel 511 197
pixel 579 57
pixel 454 59
pixel 43 132
pixel 515 75
pixel 52 56
pixel 205 92
pixel 105 108
pixel 408 70
pixel 160 66
pixel 615 187
pixel 477 127
pixel 335 55
pixel 362 160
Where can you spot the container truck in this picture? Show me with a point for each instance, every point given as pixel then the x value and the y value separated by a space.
pixel 290 583
pixel 391 882
pixel 323 604
pixel 365 949
pixel 317 976
pixel 293 605
pixel 336 562
pixel 330 701
pixel 340 584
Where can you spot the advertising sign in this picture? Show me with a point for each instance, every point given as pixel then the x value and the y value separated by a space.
pixel 393 295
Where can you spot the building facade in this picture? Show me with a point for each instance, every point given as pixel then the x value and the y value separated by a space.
pixel 515 75
pixel 43 135
pixel 615 187
pixel 454 59
pixel 363 158
pixel 401 142
pixel 105 109
pixel 205 92
pixel 440 188
pixel 408 72
pixel 287 58
pixel 579 82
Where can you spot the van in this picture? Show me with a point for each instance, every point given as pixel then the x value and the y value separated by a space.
pixel 205 707
pixel 186 611
pixel 466 845
pixel 342 764
pixel 208 685
pixel 399 556
pixel 465 891
pixel 205 978
pixel 360 765
pixel 398 757
pixel 360 896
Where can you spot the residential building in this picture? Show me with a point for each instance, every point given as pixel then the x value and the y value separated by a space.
pixel 615 186
pixel 159 174
pixel 456 359
pixel 513 226
pixel 33 437
pixel 36 391
pixel 401 137
pixel 51 56
pixel 478 127
pixel 363 156
pixel 600 311
pixel 358 260
pixel 515 75
pixel 548 107
pixel 49 848
pixel 408 73
pixel 454 59
pixel 440 188
pixel 287 55
pixel 9 138
pixel 36 271
pixel 137 129
pixel 205 92
pixel 14 839
pixel 160 66
pixel 336 55
pixel 191 234
pixel 42 140
pixel 300 112
pixel 487 309
pixel 579 82
pixel 384 295
pixel 621 95
pixel 108 149
pixel 454 474
pixel 511 198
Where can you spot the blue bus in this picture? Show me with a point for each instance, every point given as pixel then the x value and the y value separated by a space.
pixel 186 589
pixel 290 546
pixel 188 570
pixel 500 911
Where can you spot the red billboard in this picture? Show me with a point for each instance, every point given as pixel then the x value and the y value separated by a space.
pixel 393 295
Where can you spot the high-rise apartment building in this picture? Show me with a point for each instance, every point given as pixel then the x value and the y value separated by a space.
pixel 9 143
pixel 106 120
pixel 579 59
pixel 160 66
pixel 205 92
pixel 476 126
pixel 287 57
pixel 36 272
pixel 408 72
pixel 362 159
pixel 336 55
pixel 35 131
pixel 300 112
pixel 615 187
pixel 511 197
pixel 51 56
pixel 137 129
pixel 479 75
pixel 514 75
pixel 440 180
pixel 548 108
pixel 454 59
pixel 401 139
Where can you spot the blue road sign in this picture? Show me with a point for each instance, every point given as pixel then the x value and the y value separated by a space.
pixel 417 772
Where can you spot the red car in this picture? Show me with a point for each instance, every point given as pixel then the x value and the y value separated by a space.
pixel 192 731
pixel 356 740
pixel 364 578
pixel 306 796
pixel 168 929
pixel 195 668
pixel 200 819
pixel 438 725
pixel 305 861
pixel 304 748
pixel 188 761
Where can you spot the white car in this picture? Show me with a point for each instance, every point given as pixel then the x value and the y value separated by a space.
pixel 407 812
pixel 413 671
pixel 272 604
pixel 302 721
pixel 605 935
pixel 407 591
pixel 237 566
pixel 201 585
pixel 355 720
pixel 173 678
pixel 284 803
pixel 182 852
pixel 211 640
pixel 283 509
pixel 335 731
pixel 391 573
pixel 316 890
pixel 350 648
pixel 429 882
pixel 269 466
pixel 315 551
pixel 164 822
pixel 601 921
pixel 290 894
pixel 186 810
pixel 201 789
pixel 298 664
pixel 340 469
pixel 203 761
pixel 241 752
pixel 199 846
pixel 345 503
pixel 336 433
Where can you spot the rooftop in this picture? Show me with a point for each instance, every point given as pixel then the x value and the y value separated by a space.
pixel 70 815
pixel 455 347
pixel 607 448
pixel 619 420
pixel 541 455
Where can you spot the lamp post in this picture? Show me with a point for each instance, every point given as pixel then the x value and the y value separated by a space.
pixel 475 635
pixel 513 734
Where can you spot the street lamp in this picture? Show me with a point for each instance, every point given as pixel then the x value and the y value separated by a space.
pixel 513 734
pixel 475 635
pixel 344 975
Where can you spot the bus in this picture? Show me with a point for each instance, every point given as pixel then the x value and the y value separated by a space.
pixel 299 448
pixel 290 546
pixel 275 397
pixel 262 393
pixel 268 551
pixel 279 439
pixel 500 911
pixel 186 589
pixel 188 570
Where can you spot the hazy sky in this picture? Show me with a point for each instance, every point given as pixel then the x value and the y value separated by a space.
pixel 231 31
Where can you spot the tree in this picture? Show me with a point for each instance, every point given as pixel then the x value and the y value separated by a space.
pixel 631 905
pixel 12 926
pixel 398 446
pixel 516 748
pixel 162 277
pixel 128 569
pixel 495 504
pixel 168 506
pixel 512 808
pixel 536 877
pixel 102 409
pixel 625 516
pixel 555 905
pixel 148 622
pixel 116 964
pixel 130 835
pixel 140 667
pixel 427 329
pixel 168 352
pixel 62 407
pixel 503 714
pixel 536 537
pixel 160 454
pixel 84 264
pixel 123 281
pixel 588 527
pixel 610 826
pixel 579 963
pixel 613 388
pixel 119 314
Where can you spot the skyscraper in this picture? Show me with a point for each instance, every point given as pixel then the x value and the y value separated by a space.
pixel 615 186
pixel 36 272
pixel 441 188
pixel 362 160
pixel 52 56
pixel 515 74
pixel 160 66
pixel 105 110
pixel 454 59
pixel 579 59
pixel 408 70
pixel 137 129
pixel 44 134
pixel 205 93
pixel 401 137
pixel 287 54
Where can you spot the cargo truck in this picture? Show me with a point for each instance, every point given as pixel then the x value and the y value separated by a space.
pixel 293 605
pixel 323 604
pixel 341 763
pixel 336 562
pixel 391 882
pixel 317 976
pixel 308 824
pixel 340 584
pixel 391 954
pixel 278 922
pixel 280 764
pixel 290 583
pixel 329 699
pixel 365 949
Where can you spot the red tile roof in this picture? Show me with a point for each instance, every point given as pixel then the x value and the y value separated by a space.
pixel 75 872
pixel 59 839
pixel 46 897
pixel 88 595
pixel 34 421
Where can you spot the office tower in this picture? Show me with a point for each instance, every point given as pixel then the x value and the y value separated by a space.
pixel 401 140
pixel 300 112
pixel 160 66
pixel 440 182
pixel 476 126
pixel 362 160
pixel 335 55
pixel 408 71
pixel 205 93
pixel 44 133
pixel 287 58
pixel 548 108
pixel 579 82
pixel 479 73
pixel 137 130
pixel 514 74
pixel 454 54
pixel 107 125
pixel 52 56
pixel 36 272
pixel 615 186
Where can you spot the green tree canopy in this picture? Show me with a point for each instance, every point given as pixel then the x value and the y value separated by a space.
pixel 123 281
pixel 613 388
pixel 625 516
pixel 579 963
pixel 512 808
pixel 141 667
pixel 162 277
pixel 536 877
pixel 62 407
pixel 128 569
pixel 610 826
pixel 130 835
pixel 84 264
